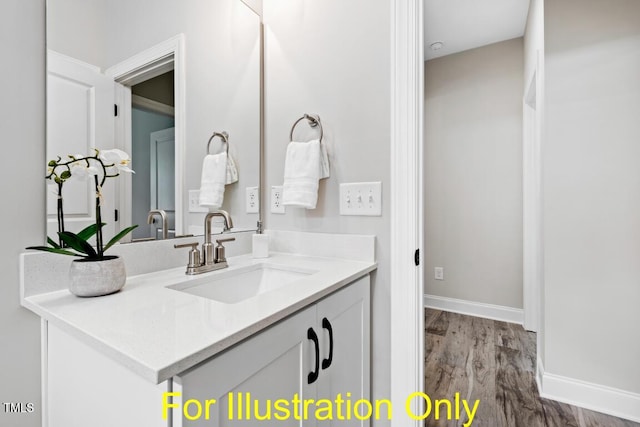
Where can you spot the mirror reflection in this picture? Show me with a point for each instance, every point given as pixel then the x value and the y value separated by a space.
pixel 156 79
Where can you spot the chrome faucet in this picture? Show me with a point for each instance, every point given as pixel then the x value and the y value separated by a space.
pixel 163 217
pixel 212 258
pixel 207 246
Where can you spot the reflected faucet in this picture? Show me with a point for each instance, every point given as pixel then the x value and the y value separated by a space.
pixel 163 216
pixel 207 246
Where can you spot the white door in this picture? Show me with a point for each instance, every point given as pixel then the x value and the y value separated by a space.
pixel 80 117
pixel 163 192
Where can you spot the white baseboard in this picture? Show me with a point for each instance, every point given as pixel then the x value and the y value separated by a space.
pixel 596 397
pixel 478 309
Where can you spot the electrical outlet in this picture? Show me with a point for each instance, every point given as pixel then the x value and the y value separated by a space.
pixel 276 200
pixel 253 201
pixel 439 273
pixel 194 202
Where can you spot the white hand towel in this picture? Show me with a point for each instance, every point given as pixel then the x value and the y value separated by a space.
pixel 324 162
pixel 214 174
pixel 301 174
pixel 232 170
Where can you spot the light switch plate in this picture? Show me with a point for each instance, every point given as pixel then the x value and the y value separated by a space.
pixel 361 198
pixel 253 201
pixel 194 202
pixel 276 200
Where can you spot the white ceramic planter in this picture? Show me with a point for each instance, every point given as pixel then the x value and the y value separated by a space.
pixel 96 278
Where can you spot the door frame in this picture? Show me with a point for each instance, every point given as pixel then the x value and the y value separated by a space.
pixel 407 104
pixel 159 136
pixel 163 57
pixel 532 239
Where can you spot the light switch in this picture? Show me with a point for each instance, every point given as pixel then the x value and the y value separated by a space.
pixel 194 202
pixel 361 198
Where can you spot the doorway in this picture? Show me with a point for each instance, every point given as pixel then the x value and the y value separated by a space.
pixel 153 154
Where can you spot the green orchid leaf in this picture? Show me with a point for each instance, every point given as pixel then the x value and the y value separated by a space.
pixel 89 231
pixel 75 242
pixel 52 243
pixel 55 250
pixel 119 236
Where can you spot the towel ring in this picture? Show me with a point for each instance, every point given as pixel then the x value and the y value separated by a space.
pixel 224 136
pixel 313 120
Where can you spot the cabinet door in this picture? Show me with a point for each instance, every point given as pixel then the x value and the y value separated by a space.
pixel 248 379
pixel 83 387
pixel 347 320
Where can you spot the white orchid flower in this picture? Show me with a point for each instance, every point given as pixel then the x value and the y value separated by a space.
pixel 118 158
pixel 80 170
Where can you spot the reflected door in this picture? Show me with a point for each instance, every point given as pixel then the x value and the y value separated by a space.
pixel 80 117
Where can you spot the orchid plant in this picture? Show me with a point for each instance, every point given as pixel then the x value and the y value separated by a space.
pixel 100 166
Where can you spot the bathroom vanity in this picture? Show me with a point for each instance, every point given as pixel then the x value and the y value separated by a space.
pixel 291 327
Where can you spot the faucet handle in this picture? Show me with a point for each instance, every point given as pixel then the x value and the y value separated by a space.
pixel 194 254
pixel 228 239
pixel 192 245
pixel 218 252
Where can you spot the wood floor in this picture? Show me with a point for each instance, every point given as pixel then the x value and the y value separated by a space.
pixel 494 362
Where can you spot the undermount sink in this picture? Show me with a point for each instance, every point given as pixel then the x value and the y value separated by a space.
pixel 234 286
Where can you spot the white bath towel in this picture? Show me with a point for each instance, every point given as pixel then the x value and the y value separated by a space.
pixel 302 171
pixel 214 176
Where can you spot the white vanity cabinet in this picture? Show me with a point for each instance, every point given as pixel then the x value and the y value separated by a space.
pixel 319 352
pixel 83 387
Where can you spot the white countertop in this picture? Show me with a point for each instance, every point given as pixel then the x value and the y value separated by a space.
pixel 159 332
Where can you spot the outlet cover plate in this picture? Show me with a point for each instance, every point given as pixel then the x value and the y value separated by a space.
pixel 253 201
pixel 361 198
pixel 194 202
pixel 276 200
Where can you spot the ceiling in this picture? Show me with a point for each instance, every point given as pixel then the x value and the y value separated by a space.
pixel 467 24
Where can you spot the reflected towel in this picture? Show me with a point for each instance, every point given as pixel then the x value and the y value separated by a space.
pixel 212 182
pixel 302 171
pixel 232 170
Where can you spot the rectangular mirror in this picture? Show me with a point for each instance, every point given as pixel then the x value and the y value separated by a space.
pixel 155 79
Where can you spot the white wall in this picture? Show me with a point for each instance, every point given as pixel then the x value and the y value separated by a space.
pixel 77 29
pixel 332 58
pixel 22 109
pixel 473 174
pixel 592 191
